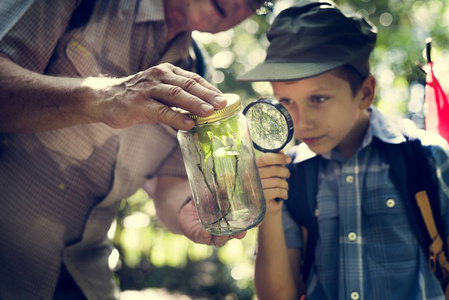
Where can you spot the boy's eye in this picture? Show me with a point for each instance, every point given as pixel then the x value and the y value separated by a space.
pixel 285 101
pixel 318 99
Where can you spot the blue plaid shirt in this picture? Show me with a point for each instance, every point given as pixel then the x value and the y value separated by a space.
pixel 366 248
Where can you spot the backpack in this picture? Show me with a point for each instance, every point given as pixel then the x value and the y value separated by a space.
pixel 416 182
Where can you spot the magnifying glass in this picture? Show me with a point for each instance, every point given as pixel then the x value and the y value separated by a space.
pixel 270 125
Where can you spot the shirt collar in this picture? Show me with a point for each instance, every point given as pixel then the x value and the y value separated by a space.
pixel 385 128
pixel 150 10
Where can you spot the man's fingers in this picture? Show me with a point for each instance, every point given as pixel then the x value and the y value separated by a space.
pixel 150 95
pixel 159 89
pixel 200 80
pixel 197 91
pixel 239 235
pixel 161 113
pixel 175 96
pixel 220 240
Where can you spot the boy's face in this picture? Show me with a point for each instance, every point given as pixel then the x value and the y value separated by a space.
pixel 325 113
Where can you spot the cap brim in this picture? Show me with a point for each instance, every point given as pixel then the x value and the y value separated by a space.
pixel 287 71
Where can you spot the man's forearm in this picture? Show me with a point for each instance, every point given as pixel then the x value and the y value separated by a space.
pixel 32 102
pixel 170 195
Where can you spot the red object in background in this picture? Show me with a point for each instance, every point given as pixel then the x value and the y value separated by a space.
pixel 436 105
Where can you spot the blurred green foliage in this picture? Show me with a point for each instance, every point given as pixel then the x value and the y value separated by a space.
pixel 149 256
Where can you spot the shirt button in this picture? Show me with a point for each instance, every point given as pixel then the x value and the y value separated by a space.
pixel 352 236
pixel 391 203
pixel 355 295
pixel 349 179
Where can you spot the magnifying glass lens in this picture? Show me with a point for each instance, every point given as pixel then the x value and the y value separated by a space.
pixel 270 125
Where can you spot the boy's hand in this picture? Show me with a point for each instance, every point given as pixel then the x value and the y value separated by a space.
pixel 273 175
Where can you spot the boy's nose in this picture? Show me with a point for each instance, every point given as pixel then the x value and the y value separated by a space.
pixel 303 120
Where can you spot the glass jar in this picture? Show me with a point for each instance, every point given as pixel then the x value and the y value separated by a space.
pixel 220 162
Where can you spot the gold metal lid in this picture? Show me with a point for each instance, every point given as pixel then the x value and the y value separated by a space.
pixel 234 105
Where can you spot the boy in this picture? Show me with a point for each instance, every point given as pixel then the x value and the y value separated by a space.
pixel 317 64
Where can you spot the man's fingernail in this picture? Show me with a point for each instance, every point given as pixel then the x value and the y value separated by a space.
pixel 288 159
pixel 219 100
pixel 188 122
pixel 206 107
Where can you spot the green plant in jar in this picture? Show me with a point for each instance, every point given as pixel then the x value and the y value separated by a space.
pixel 220 142
pixel 219 160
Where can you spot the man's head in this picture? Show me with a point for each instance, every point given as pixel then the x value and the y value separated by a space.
pixel 311 38
pixel 219 15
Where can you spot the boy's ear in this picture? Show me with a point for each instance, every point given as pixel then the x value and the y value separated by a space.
pixel 367 91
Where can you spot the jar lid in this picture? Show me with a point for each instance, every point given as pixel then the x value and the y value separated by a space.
pixel 233 105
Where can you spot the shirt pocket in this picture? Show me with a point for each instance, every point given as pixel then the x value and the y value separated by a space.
pixel 327 204
pixel 387 232
pixel 82 59
pixel 73 145
pixel 327 214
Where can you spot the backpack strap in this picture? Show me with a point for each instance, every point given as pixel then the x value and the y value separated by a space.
pixel 302 203
pixel 437 255
pixel 419 189
pixel 404 172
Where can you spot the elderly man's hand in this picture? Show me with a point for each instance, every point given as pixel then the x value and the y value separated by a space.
pixel 191 227
pixel 150 95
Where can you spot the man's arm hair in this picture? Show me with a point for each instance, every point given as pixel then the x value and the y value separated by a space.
pixel 32 102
